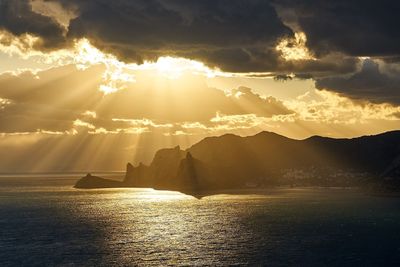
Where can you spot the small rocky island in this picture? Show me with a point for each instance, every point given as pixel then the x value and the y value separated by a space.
pixel 90 181
pixel 266 160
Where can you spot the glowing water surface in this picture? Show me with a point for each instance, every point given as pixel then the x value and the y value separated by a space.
pixel 44 221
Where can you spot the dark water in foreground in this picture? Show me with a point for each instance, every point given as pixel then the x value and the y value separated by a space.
pixel 53 224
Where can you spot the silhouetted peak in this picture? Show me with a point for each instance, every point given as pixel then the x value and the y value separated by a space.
pixel 395 133
pixel 129 167
pixel 186 176
pixel 318 138
pixel 165 157
pixel 216 139
pixel 391 134
pixel 189 156
pixel 88 175
pixel 168 151
pixel 229 135
pixel 266 134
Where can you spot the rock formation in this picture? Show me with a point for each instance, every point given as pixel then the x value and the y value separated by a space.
pixel 266 159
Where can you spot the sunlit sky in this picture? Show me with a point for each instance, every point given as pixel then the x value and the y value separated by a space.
pixel 91 85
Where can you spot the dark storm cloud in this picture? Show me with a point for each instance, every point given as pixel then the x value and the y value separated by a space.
pixel 240 35
pixel 328 65
pixel 351 28
pixel 357 28
pixel 235 35
pixel 369 83
pixel 18 18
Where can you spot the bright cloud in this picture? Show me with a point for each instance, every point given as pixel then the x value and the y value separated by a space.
pixel 328 107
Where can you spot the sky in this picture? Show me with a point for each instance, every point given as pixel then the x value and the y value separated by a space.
pixel 91 85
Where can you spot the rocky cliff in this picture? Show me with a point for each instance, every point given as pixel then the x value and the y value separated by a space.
pixel 267 159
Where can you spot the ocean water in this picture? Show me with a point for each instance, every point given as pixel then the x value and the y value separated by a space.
pixel 45 222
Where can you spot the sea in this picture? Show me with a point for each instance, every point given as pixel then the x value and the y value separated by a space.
pixel 44 221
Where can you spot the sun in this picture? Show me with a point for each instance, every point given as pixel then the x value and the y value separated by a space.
pixel 119 73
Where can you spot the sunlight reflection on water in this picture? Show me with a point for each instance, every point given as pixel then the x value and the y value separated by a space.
pixel 146 227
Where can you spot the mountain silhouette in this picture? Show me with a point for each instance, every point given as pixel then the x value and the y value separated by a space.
pixel 268 159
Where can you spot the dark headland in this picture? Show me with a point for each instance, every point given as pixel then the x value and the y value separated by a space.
pixel 265 160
